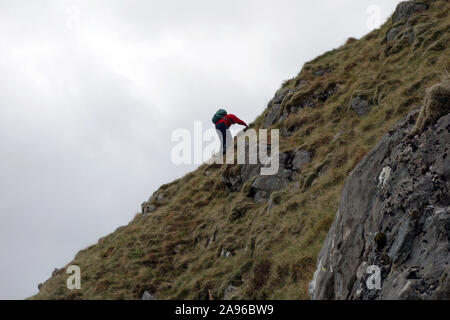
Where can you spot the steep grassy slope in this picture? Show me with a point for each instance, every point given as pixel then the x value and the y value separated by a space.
pixel 175 252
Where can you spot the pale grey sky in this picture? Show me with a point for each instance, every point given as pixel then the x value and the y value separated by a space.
pixel 90 92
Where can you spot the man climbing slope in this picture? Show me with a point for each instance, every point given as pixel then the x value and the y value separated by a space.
pixel 223 122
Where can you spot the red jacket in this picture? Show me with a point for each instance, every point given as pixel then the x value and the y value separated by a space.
pixel 231 119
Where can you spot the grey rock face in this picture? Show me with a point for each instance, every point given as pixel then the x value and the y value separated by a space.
pixel 394 214
pixel 408 8
pixel 279 97
pixel 360 106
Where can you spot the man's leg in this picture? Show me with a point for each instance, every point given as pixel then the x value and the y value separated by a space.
pixel 222 132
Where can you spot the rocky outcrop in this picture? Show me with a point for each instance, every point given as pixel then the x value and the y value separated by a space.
pixel 272 116
pixel 281 95
pixel 322 72
pixel 290 163
pixel 151 205
pixel 263 186
pixel 391 236
pixel 309 101
pixel 147 208
pixel 408 8
pixel 407 34
pixel 403 33
pixel 281 106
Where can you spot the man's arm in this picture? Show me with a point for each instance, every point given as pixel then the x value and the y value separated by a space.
pixel 235 119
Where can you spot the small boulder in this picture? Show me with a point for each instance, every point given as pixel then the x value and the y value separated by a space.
pixel 437 104
pixel 233 182
pixel 147 208
pixel 408 8
pixel 40 285
pixel 394 32
pixel 147 296
pixel 230 292
pixel 265 185
pixel 301 158
pixel 360 106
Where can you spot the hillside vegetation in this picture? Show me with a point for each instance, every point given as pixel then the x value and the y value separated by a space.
pixel 205 240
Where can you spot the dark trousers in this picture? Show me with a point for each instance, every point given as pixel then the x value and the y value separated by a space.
pixel 222 132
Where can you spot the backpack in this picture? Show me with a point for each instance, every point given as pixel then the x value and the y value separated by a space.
pixel 220 114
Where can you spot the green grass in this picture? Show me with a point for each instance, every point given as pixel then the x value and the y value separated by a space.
pixel 175 252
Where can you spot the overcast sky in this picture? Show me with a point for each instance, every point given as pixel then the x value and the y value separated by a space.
pixel 90 92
